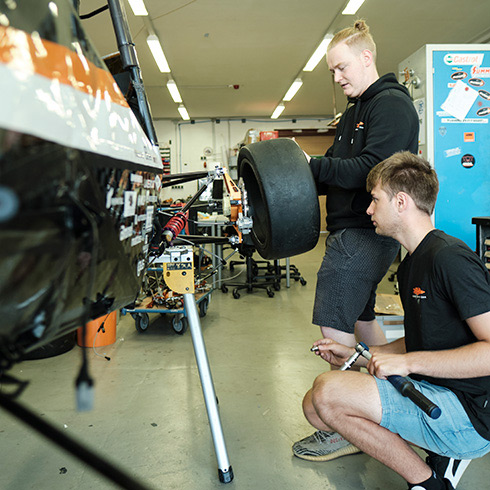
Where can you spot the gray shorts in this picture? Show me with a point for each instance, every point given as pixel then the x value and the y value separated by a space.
pixel 355 261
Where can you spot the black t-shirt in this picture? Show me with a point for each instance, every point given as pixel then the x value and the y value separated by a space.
pixel 443 283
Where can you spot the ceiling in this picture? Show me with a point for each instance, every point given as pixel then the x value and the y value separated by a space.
pixel 262 46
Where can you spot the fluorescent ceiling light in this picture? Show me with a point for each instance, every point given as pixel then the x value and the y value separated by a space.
pixel 174 91
pixel 183 112
pixel 157 52
pixel 319 53
pixel 293 89
pixel 138 7
pixel 352 7
pixel 278 111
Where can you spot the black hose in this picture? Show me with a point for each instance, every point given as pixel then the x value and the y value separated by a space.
pixel 94 12
pixel 69 444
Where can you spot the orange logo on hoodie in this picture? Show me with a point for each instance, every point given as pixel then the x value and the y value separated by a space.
pixel 418 291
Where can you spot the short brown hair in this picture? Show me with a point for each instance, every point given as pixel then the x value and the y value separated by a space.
pixel 406 172
pixel 356 37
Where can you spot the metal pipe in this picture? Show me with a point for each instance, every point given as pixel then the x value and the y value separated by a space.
pixel 130 63
pixel 224 468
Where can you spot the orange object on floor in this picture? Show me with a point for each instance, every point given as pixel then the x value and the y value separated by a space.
pixel 102 338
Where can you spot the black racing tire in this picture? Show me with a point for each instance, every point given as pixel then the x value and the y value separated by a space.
pixel 54 348
pixel 282 196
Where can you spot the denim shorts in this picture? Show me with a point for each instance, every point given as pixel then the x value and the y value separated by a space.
pixel 355 261
pixel 452 434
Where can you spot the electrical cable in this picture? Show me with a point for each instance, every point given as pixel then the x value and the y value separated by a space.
pixel 200 247
pixel 174 10
pixel 226 279
pixel 224 261
pixel 84 382
pixel 101 327
pixel 94 12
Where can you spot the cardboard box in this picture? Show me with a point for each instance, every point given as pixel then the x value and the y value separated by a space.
pixel 388 304
pixel 252 136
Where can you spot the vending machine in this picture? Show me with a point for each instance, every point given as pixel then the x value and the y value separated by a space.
pixel 450 87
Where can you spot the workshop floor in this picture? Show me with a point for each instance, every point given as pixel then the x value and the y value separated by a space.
pixel 149 416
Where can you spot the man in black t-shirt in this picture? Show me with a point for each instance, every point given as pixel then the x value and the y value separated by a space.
pixel 445 291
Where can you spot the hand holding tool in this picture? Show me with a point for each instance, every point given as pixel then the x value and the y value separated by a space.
pixel 403 384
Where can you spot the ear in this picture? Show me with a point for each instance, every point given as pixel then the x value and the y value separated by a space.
pixel 402 201
pixel 367 57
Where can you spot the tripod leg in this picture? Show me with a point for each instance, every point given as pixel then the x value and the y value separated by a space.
pixel 224 469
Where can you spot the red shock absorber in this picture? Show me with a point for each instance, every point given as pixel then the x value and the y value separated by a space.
pixel 174 226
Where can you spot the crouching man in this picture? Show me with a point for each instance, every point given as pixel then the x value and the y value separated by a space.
pixel 445 291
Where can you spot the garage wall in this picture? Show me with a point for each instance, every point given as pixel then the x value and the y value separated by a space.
pixel 189 142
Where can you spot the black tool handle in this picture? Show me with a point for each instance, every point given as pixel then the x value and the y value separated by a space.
pixel 406 388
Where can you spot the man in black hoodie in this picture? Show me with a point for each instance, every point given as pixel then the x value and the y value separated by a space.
pixel 379 121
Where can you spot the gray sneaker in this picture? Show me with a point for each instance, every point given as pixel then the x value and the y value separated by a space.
pixel 323 446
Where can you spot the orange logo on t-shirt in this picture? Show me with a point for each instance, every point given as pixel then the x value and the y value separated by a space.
pixel 418 291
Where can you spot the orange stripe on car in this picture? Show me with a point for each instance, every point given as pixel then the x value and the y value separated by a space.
pixel 29 54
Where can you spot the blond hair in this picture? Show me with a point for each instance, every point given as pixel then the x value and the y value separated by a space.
pixel 356 37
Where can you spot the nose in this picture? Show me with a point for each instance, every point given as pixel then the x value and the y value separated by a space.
pixel 337 76
pixel 369 210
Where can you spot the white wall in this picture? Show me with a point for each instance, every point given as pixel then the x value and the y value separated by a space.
pixel 188 141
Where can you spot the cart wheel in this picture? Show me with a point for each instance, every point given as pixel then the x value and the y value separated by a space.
pixel 303 282
pixel 141 322
pixel 224 289
pixel 236 294
pixel 203 307
pixel 270 293
pixel 277 286
pixel 179 324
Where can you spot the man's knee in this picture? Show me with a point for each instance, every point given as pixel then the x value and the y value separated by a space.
pixel 327 391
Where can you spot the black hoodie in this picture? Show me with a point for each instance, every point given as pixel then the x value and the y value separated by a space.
pixel 379 123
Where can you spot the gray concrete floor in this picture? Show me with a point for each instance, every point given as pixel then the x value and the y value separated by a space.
pixel 149 415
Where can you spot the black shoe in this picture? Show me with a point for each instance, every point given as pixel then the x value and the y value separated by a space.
pixel 435 482
pixel 448 468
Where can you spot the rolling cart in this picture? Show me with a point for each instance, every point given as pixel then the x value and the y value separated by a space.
pixel 180 315
pixel 161 299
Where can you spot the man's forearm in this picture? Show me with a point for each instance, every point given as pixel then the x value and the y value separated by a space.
pixel 469 361
pixel 395 347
